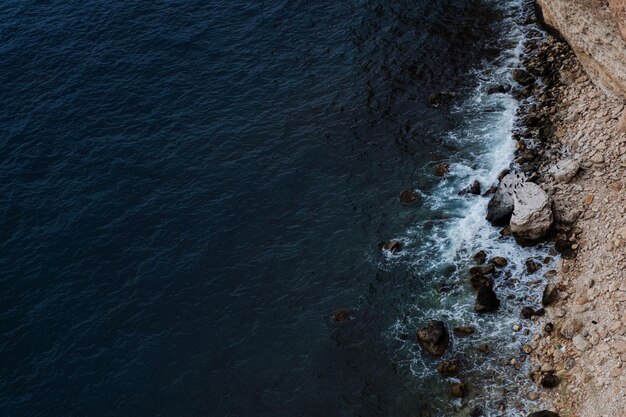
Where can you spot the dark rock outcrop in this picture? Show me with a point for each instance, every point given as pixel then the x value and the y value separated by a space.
pixel 486 300
pixel 409 197
pixel 544 413
pixel 434 338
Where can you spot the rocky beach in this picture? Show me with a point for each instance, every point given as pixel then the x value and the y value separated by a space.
pixel 567 186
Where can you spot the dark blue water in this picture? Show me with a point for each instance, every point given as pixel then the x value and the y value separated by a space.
pixel 190 188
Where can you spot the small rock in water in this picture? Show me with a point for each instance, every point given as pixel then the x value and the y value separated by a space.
pixel 448 368
pixel 476 411
pixel 438 99
pixel 484 348
pixel 442 169
pixel 498 89
pixel 393 246
pixel 480 257
pixel 532 266
pixel 544 413
pixel 550 381
pixel 473 189
pixel 527 349
pixel 434 338
pixel 463 330
pixel 499 261
pixel 517 327
pixel 341 315
pixel 482 270
pixel 409 197
pixel 548 328
pixel 458 390
pixel 486 300
pixel 527 312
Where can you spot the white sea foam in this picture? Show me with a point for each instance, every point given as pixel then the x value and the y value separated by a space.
pixel 446 248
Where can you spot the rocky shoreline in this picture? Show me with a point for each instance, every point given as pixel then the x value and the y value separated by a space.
pixel 566 186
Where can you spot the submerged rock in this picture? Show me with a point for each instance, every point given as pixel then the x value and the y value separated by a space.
pixel 482 270
pixel 409 197
pixel 448 368
pixel 499 261
pixel 393 246
pixel 486 300
pixel 458 390
pixel 464 330
pixel 480 257
pixel 341 315
pixel 544 413
pixel 442 169
pixel 441 98
pixel 476 411
pixel 498 89
pixel 434 338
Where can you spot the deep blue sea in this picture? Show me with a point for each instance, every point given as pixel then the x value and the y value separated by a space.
pixel 189 189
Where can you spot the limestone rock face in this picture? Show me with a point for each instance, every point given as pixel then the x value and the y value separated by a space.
pixel 532 214
pixel 596 31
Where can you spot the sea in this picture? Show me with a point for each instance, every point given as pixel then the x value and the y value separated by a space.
pixel 189 190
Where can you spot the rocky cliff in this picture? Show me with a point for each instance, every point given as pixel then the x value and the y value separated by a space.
pixel 596 31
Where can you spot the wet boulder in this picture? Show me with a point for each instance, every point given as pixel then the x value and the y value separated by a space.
pixel 441 98
pixel 500 208
pixel 448 368
pixel 486 300
pixel 392 246
pixel 409 197
pixel 532 266
pixel 442 169
pixel 473 189
pixel 458 390
pixel 522 77
pixel 434 338
pixel 482 270
pixel 480 257
pixel 498 89
pixel 544 413
pixel 499 261
pixel 464 330
pixel 527 312
pixel 479 281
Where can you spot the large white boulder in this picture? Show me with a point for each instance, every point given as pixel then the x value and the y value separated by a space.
pixel 532 213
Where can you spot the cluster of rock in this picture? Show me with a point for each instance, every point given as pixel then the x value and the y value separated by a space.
pixel 578 140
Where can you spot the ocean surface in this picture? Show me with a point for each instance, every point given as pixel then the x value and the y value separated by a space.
pixel 190 189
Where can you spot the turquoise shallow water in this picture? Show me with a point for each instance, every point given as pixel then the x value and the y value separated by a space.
pixel 190 189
